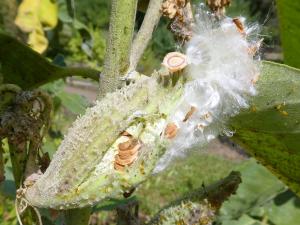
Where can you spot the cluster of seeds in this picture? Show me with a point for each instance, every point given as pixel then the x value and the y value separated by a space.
pixel 127 152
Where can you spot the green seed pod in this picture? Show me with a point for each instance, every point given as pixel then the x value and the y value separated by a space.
pixel 82 170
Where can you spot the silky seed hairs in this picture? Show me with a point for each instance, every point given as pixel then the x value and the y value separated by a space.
pixel 222 68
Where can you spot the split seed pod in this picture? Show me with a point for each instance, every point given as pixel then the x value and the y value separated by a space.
pixel 86 169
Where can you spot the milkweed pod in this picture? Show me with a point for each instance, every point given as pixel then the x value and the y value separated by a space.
pixel 94 161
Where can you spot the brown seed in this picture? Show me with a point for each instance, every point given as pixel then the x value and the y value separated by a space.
pixel 118 167
pixel 127 153
pixel 128 144
pixel 189 114
pixel 170 130
pixel 130 152
pixel 175 61
pixel 238 23
pixel 127 161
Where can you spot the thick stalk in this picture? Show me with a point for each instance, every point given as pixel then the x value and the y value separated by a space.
pixel 119 42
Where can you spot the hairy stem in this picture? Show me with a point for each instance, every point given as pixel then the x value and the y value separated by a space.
pixel 119 42
pixel 144 35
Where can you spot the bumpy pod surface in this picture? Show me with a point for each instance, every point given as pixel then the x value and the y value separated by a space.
pixel 82 170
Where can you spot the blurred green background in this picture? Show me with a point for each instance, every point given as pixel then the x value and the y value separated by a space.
pixel 79 39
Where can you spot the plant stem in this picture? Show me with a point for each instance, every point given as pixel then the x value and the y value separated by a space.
pixel 119 42
pixel 144 35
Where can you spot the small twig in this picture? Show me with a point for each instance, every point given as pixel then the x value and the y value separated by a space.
pixel 144 35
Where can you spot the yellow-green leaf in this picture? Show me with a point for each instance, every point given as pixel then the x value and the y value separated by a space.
pixel 37 40
pixel 48 14
pixel 35 16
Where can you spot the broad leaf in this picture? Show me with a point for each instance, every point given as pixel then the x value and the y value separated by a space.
pixel 289 20
pixel 270 128
pixel 24 67
pixel 266 203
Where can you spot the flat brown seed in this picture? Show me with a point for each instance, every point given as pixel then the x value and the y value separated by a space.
pixel 128 144
pixel 127 153
pixel 170 130
pixel 238 23
pixel 127 161
pixel 189 114
pixel 118 167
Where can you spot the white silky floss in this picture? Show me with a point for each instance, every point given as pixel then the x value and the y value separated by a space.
pixel 221 72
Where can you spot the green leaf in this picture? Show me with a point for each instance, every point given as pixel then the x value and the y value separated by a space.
pixel 258 186
pixel 289 20
pixel 270 129
pixel 24 67
pixel 266 205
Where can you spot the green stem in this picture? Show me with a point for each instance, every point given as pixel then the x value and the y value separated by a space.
pixel 119 42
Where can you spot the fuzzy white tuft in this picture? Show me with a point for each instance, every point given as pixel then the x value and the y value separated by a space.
pixel 221 72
